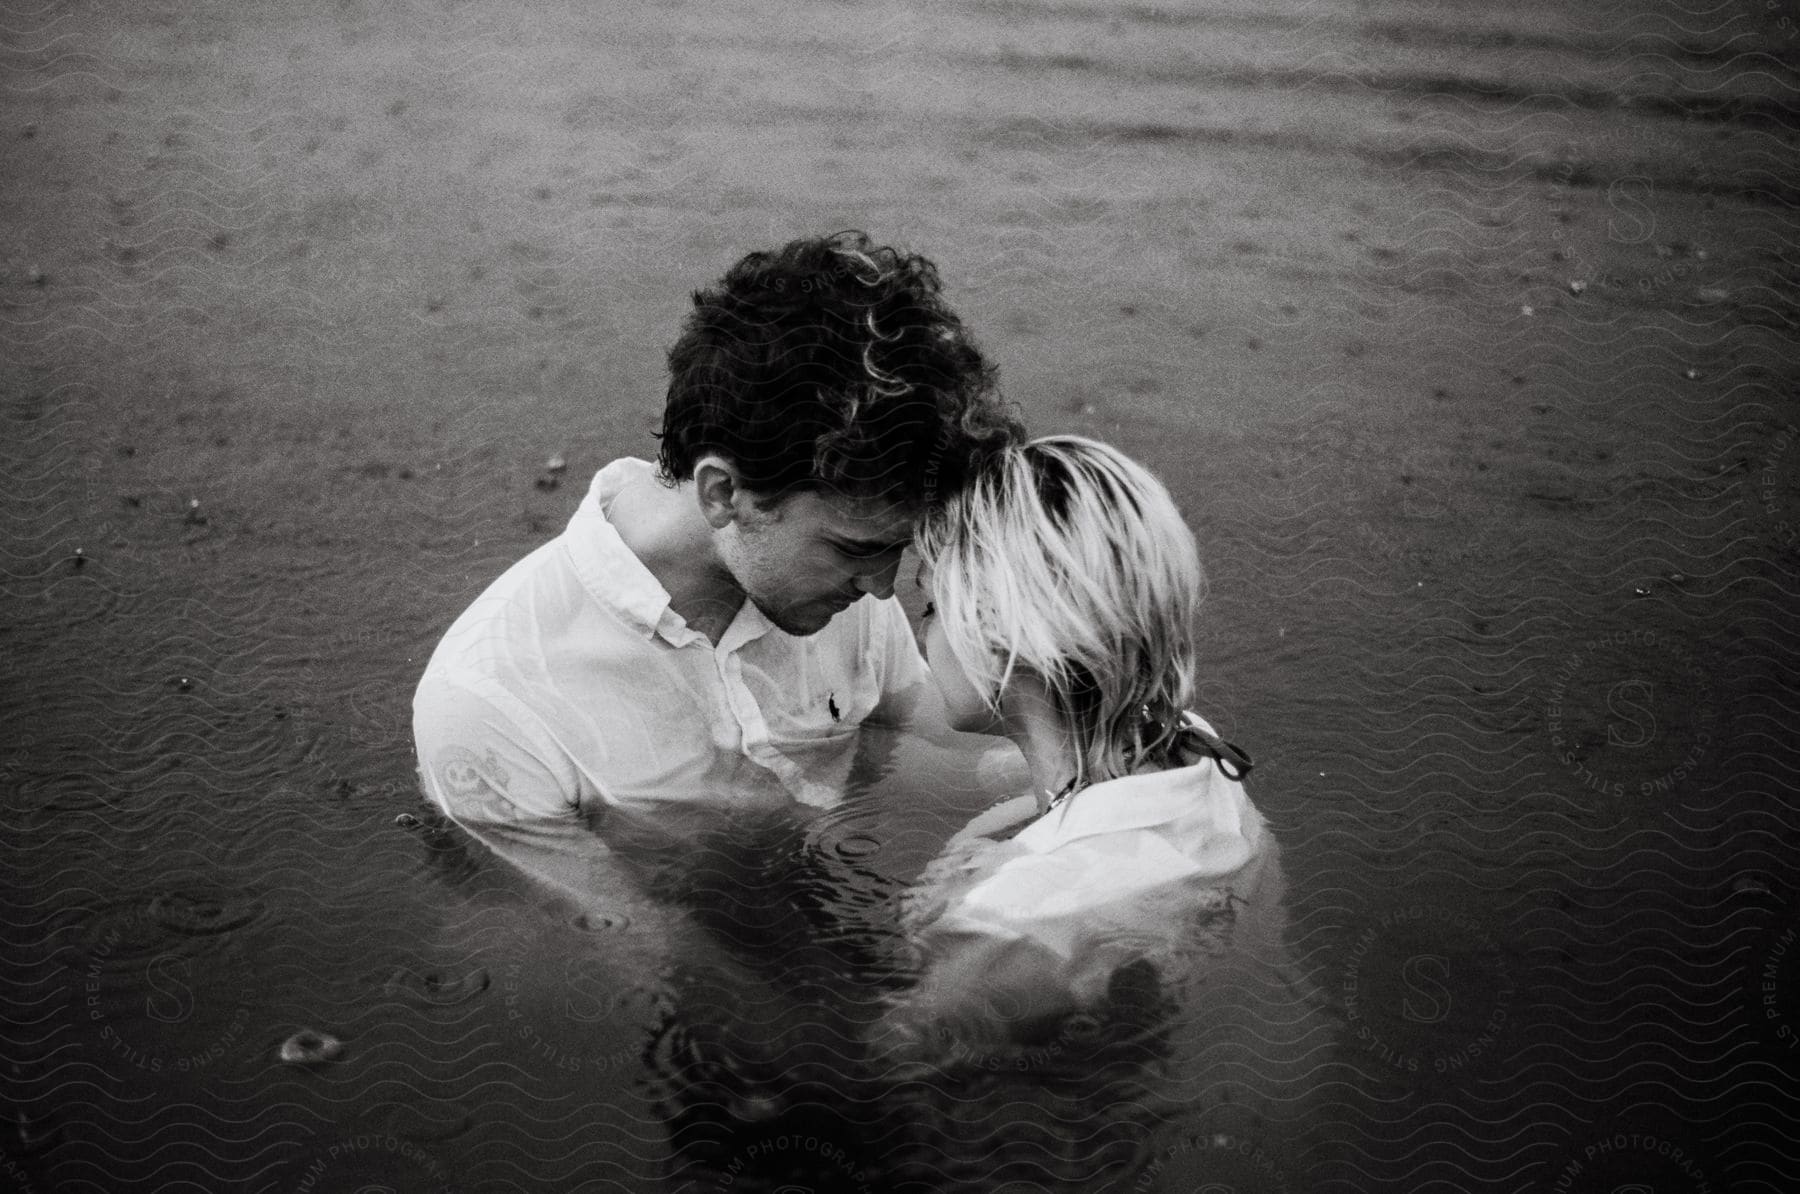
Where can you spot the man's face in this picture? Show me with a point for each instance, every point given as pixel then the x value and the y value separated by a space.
pixel 810 558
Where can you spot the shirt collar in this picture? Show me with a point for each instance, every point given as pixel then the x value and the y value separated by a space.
pixel 1147 801
pixel 609 570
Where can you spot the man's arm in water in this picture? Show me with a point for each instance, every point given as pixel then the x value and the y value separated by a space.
pixel 480 765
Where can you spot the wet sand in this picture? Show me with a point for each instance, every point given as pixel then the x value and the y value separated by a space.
pixel 1465 338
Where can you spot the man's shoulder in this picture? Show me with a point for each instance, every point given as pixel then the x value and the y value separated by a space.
pixel 530 587
pixel 535 602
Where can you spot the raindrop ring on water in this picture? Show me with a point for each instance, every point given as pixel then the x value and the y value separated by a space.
pixel 857 845
pixel 199 915
pixel 601 922
pixel 436 987
pixel 310 1047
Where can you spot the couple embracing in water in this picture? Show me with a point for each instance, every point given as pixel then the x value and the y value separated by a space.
pixel 714 629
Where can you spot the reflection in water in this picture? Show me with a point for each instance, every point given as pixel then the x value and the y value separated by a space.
pixel 774 941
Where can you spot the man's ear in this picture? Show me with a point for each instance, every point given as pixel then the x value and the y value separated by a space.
pixel 718 490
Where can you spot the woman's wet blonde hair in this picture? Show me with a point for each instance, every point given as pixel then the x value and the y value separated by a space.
pixel 1066 558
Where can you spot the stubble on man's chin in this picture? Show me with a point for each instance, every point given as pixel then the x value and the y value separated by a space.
pixel 809 629
pixel 787 623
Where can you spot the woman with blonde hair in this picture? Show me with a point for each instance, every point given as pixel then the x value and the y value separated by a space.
pixel 1064 587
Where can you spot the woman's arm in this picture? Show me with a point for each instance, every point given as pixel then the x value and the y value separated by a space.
pixel 977 991
pixel 1009 814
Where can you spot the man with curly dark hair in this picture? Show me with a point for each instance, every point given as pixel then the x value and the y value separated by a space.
pixel 699 632
pixel 829 384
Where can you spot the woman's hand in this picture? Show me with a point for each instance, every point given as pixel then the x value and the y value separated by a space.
pixel 1003 816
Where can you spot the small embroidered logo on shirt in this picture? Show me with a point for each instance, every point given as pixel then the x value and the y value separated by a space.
pixel 831 704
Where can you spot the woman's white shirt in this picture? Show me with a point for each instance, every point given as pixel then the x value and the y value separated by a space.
pixel 1098 881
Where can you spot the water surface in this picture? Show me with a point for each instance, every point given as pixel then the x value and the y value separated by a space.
pixel 1464 338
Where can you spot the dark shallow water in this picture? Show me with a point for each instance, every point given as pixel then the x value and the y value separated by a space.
pixel 1495 952
pixel 1465 339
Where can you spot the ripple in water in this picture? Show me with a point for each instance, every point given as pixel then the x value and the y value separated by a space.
pixel 856 845
pixel 844 832
pixel 124 934
pixel 435 988
pixel 435 1119
pixel 202 916
pixel 601 922
pixel 310 1047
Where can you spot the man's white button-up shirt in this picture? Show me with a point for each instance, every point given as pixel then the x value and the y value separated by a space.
pixel 570 686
